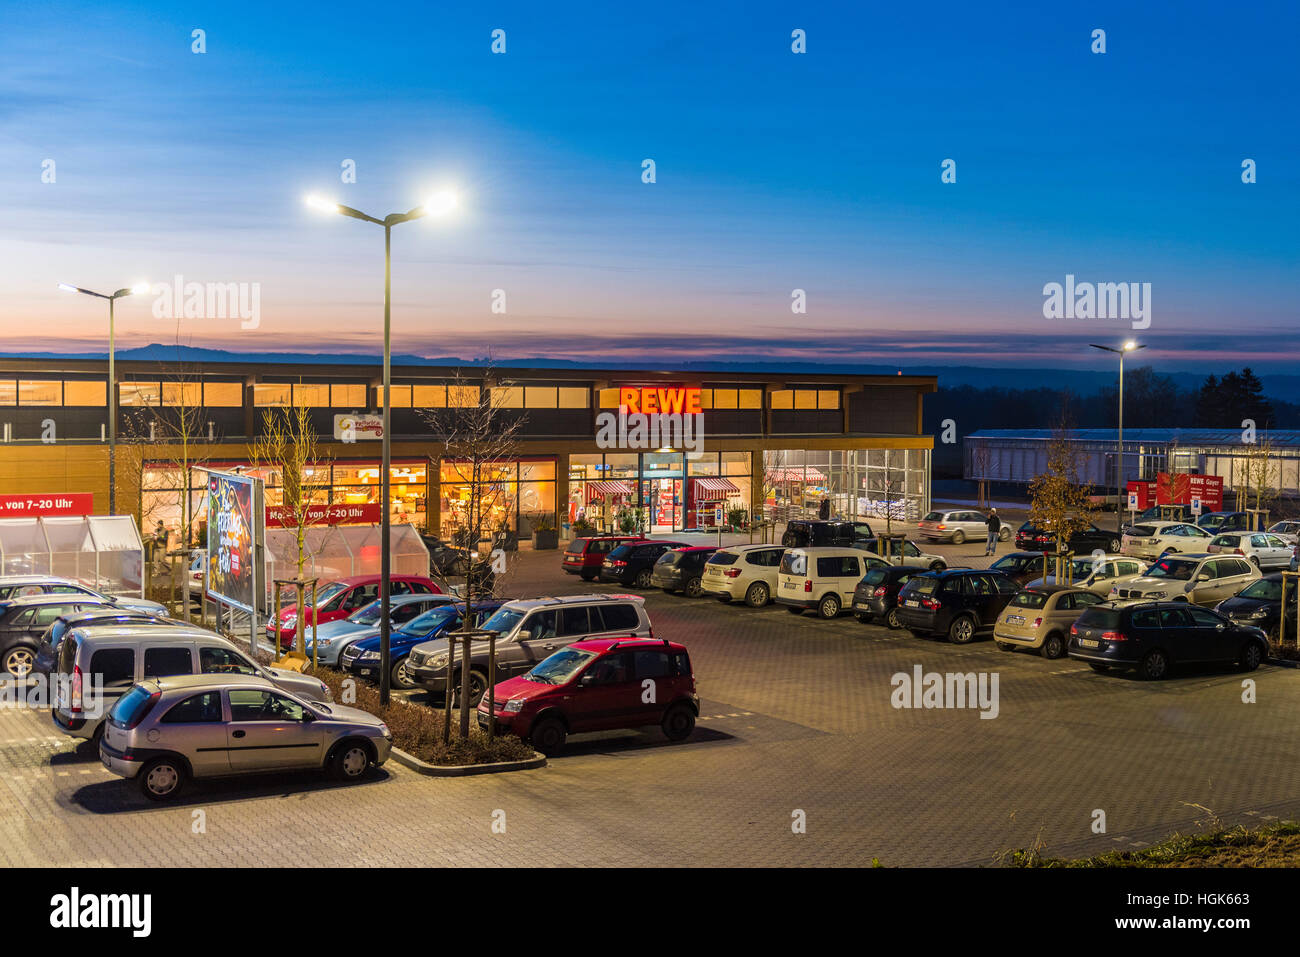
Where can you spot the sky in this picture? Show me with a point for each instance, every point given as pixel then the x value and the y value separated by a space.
pixel 775 171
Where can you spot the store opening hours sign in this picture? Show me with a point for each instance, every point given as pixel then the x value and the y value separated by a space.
pixel 235 537
pixel 30 506
pixel 277 516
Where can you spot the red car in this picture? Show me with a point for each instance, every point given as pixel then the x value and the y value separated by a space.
pixel 342 597
pixel 584 556
pixel 598 685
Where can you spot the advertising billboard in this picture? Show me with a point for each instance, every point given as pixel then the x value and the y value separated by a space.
pixel 236 537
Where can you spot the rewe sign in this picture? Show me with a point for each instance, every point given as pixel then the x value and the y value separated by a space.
pixel 277 516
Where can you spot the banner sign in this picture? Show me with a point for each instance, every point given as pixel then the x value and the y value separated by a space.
pixel 277 516
pixel 62 503
pixel 1179 490
pixel 235 537
pixel 358 428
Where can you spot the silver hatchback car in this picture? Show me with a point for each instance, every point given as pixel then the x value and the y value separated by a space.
pixel 165 731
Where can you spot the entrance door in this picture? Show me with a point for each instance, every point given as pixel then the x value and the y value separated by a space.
pixel 665 505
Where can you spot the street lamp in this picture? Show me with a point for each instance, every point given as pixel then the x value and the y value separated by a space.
pixel 436 205
pixel 1127 347
pixel 139 289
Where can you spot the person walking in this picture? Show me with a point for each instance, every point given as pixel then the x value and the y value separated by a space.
pixel 994 525
pixel 824 510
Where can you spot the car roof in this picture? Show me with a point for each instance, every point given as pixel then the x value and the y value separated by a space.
pixel 697 548
pixel 530 603
pixel 631 642
pixel 48 599
pixel 368 579
pixel 153 632
pixel 183 682
pixel 39 580
pixel 831 549
pixel 1052 588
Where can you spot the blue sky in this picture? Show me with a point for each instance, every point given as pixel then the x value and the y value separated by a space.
pixel 775 171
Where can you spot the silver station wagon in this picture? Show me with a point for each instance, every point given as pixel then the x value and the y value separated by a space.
pixel 165 731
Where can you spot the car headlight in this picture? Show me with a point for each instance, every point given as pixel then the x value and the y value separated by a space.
pixel 370 656
pixel 383 729
pixel 439 661
pixel 1155 595
pixel 1259 613
pixel 514 705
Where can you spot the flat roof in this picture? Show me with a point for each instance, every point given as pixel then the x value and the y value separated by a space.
pixel 1155 436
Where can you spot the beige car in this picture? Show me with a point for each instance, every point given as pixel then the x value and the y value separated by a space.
pixel 1098 574
pixel 1039 617
pixel 743 572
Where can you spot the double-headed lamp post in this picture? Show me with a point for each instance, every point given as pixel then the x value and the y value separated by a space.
pixel 139 289
pixel 437 205
pixel 1127 347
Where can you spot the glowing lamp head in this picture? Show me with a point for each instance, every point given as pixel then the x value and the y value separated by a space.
pixel 321 204
pixel 440 203
pixel 140 289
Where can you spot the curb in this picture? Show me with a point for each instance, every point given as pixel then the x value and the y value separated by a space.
pixel 1283 662
pixel 464 770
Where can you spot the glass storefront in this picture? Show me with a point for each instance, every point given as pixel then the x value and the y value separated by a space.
pixel 857 483
pixel 514 497
pixel 660 491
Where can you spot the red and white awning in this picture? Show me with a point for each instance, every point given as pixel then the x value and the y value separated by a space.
pixel 808 474
pixel 714 489
pixel 608 488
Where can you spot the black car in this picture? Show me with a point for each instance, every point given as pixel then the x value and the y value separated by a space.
pixel 682 569
pixel 633 563
pixel 1218 522
pixel 809 534
pixel 1259 604
pixel 1024 567
pixel 959 602
pixel 1150 637
pixel 24 620
pixel 1082 540
pixel 444 557
pixel 876 595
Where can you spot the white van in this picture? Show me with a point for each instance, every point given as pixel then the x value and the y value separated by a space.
pixel 822 578
pixel 122 655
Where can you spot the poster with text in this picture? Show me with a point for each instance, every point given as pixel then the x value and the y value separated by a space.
pixel 232 538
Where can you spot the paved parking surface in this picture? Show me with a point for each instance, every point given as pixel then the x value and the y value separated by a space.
pixel 796 718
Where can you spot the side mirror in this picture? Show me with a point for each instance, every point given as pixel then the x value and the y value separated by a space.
pixel 586 681
pixel 309 716
pixel 1203 577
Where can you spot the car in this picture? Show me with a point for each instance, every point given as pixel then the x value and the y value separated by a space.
pixel 97 665
pixel 905 552
pixel 584 556
pixel 822 578
pixel 682 569
pixel 363 657
pixel 597 685
pixel 1218 522
pixel 1023 566
pixel 958 524
pixel 1098 574
pixel 333 636
pixel 1151 637
pixel 1152 539
pixel 876 594
pixel 340 598
pixel 1288 531
pixel 808 533
pixel 1260 548
pixel 1030 537
pixel 14 586
pixel 528 631
pixel 1040 617
pixel 23 622
pixel 632 563
pixel 165 732
pixel 745 572
pixel 1260 604
pixel 96 616
pixel 1197 577
pixel 959 603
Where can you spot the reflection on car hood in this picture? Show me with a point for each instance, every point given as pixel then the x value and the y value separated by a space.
pixel 140 604
pixel 341 626
pixel 1144 582
pixel 300 684
pixel 341 712
pixel 522 689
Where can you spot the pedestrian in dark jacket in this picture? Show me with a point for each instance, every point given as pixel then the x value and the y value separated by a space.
pixel 824 510
pixel 994 525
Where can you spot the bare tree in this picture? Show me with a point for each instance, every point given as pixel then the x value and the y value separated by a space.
pixel 1059 502
pixel 480 447
pixel 1263 471
pixel 981 460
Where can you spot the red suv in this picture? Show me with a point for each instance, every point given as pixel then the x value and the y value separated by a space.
pixel 598 685
pixel 584 556
pixel 342 597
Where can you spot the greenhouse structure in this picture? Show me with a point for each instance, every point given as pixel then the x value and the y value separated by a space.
pixel 103 552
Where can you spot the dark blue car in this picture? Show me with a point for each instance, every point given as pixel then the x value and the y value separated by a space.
pixel 362 657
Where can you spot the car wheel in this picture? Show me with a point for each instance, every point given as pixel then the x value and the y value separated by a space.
pixel 1251 656
pixel 829 607
pixel 1004 534
pixel 1053 646
pixel 679 722
pixel 1154 666
pixel 162 779
pixel 892 619
pixel 477 687
pixel 643 578
pixel 865 619
pixel 693 588
pixel 962 630
pixel 19 661
pixel 1099 668
pixel 548 736
pixel 958 537
pixel 794 609
pixel 1254 560
pixel 757 595
pixel 400 677
pixel 1114 545
pixel 350 761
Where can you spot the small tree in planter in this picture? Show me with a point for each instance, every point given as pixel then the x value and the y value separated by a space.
pixel 1060 502
pixel 545 535
pixel 738 518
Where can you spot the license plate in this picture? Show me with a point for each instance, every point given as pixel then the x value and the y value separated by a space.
pixel 790 585
pixel 1015 619
pixel 482 721
pixel 1089 643
pixel 912 604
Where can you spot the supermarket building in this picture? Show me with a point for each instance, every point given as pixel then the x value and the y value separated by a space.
pixel 771 444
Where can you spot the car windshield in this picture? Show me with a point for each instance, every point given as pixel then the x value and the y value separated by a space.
pixel 577 546
pixel 874 577
pixel 431 620
pixel 560 667
pixel 1029 599
pixel 1263 590
pixel 922 585
pixel 503 620
pixel 328 592
pixel 1213 521
pixel 1172 568
pixel 933 517
pixel 723 558
pixel 1013 563
pixel 369 614
pixel 1106 619
pixel 1227 541
pixel 131 705
pixel 1143 531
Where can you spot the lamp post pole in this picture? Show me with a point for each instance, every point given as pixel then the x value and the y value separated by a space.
pixel 1129 346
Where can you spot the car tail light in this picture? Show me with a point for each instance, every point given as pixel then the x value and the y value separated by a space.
pixel 618 563
pixel 880 591
pixel 1038 623
pixel 74 705
pixel 807 584
pixel 941 526
pixel 1238 551
pixel 732 573
pixel 1113 636
pixel 933 604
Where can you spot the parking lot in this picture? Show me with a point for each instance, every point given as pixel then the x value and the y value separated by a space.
pixel 796 717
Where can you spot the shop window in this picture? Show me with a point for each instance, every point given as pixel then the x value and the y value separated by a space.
pixel 508 397
pixel 540 397
pixel 188 395
pixel 574 397
pixel 463 396
pixel 350 395
pixel 781 399
pixel 429 396
pixel 736 463
pixel 8 392
pixel 84 393
pixel 40 392
pixel 223 395
pixel 828 398
pixel 311 395
pixel 750 398
pixel 609 398
pixel 706 463
pixel 271 394
pixel 399 396
pixel 805 399
pixel 724 398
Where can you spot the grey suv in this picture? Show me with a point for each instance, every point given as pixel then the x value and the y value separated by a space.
pixel 530 631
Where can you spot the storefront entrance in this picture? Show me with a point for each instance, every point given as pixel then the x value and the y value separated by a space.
pixel 664 496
